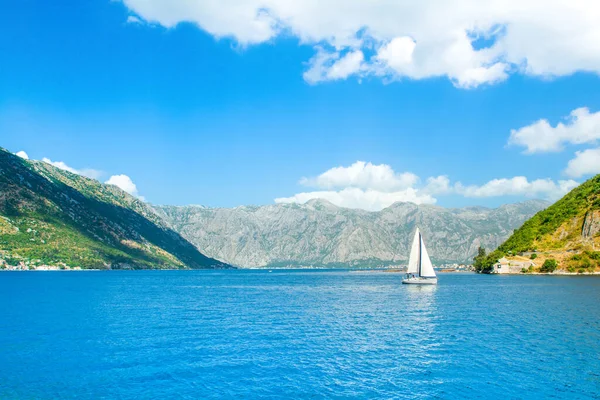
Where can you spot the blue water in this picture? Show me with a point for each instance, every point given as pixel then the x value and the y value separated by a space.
pixel 300 334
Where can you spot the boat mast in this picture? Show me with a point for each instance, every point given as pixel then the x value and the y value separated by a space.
pixel 419 264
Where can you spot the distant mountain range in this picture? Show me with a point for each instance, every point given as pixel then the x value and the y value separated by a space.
pixel 49 216
pixel 52 217
pixel 321 234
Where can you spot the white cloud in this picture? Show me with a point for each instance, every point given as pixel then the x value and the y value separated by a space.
pixel 374 187
pixel 22 154
pixel 363 175
pixel 398 53
pixel 329 66
pixel 372 200
pixel 518 186
pixel 413 39
pixel 467 68
pixel 585 163
pixel 132 19
pixel 126 184
pixel 438 185
pixel 362 185
pixel 580 127
pixel 87 172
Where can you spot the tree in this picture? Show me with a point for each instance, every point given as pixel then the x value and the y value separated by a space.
pixel 479 259
pixel 533 256
pixel 549 265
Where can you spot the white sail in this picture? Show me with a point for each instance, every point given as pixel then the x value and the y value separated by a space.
pixel 413 260
pixel 426 266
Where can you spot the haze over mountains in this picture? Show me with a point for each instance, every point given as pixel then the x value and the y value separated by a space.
pixel 321 234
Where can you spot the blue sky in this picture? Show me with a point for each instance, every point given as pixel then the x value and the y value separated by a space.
pixel 195 115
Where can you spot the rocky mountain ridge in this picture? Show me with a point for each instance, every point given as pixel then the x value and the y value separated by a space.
pixel 318 233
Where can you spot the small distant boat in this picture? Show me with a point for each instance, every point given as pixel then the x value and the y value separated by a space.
pixel 420 270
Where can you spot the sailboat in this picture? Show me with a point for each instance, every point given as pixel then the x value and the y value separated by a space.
pixel 420 270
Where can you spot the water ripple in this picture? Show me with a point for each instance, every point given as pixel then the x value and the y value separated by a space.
pixel 298 334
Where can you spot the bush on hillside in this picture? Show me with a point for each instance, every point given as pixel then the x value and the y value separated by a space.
pixel 528 270
pixel 594 255
pixel 549 265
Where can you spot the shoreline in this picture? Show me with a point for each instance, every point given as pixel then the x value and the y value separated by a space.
pixel 358 270
pixel 565 273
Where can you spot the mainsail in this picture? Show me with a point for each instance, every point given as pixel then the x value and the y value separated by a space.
pixel 413 260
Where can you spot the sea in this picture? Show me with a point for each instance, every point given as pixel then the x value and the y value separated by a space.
pixel 301 334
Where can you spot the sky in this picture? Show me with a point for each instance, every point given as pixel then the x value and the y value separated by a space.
pixel 240 102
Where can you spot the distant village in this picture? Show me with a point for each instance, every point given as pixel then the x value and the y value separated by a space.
pixel 503 266
pixel 28 266
pixel 35 266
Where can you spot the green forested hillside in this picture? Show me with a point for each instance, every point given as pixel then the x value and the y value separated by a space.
pixel 49 216
pixel 539 231
pixel 567 231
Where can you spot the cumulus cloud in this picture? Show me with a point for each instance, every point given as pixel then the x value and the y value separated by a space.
pixel 371 200
pixel 364 175
pixel 518 186
pixel 126 184
pixel 417 40
pixel 438 185
pixel 397 53
pixel 585 162
pixel 22 154
pixel 87 172
pixel 580 127
pixel 362 185
pixel 375 187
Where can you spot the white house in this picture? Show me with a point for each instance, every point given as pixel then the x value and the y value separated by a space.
pixel 502 266
pixel 505 266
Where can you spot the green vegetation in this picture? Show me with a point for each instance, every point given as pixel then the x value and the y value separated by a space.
pixel 545 223
pixel 586 260
pixel 553 229
pixel 528 270
pixel 53 217
pixel 484 263
pixel 549 265
pixel 594 255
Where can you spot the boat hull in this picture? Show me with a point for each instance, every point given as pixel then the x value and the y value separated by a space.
pixel 419 281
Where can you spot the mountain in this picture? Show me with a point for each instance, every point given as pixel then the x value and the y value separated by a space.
pixel 319 233
pixel 49 216
pixel 567 231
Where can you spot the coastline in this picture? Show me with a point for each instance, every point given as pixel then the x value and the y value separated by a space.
pixel 556 273
pixel 354 271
